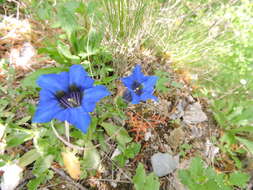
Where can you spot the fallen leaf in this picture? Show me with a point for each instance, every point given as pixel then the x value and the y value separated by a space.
pixel 72 164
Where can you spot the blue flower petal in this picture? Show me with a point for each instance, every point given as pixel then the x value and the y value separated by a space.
pixel 77 117
pixel 135 98
pixel 46 95
pixel 54 82
pixel 138 75
pixel 64 115
pixel 149 84
pixel 79 77
pixel 147 95
pixel 92 96
pixel 128 81
pixel 46 111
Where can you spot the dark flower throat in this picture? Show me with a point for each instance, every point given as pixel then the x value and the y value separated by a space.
pixel 137 87
pixel 70 99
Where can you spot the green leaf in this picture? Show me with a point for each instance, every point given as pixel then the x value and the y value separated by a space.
pixel 23 120
pixel 196 168
pixel 247 143
pixel 143 182
pixel 121 160
pixel 84 55
pixel 91 157
pixel 162 81
pixel 132 150
pixel 17 139
pixel 28 158
pixel 101 140
pixel 44 11
pixel 211 185
pixel 118 133
pixel 2 163
pixel 208 179
pixel 129 152
pixel 139 178
pixel 92 134
pixel 34 183
pixel 239 179
pixel 152 182
pixel 64 50
pixel 242 129
pixel 42 164
pixel 66 17
pixel 228 138
pixel 30 80
pixel 186 179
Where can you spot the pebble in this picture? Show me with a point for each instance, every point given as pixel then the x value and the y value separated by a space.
pixel 163 164
pixel 194 114
pixel 179 110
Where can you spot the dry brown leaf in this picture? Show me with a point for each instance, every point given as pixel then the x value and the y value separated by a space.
pixel 71 164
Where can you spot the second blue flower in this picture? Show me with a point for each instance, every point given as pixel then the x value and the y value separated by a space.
pixel 139 87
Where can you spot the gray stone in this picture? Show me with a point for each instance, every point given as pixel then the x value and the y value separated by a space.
pixel 179 112
pixel 163 164
pixel 194 114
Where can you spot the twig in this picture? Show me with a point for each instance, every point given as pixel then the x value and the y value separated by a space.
pixel 70 145
pixel 64 175
pixel 121 170
pixel 110 180
pixel 67 130
pixel 66 142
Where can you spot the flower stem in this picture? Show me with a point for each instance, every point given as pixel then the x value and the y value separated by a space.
pixel 64 141
pixel 67 130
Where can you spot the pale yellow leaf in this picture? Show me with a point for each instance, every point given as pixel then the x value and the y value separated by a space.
pixel 71 164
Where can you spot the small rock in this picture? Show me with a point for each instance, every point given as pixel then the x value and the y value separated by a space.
pixel 179 110
pixel 194 114
pixel 163 164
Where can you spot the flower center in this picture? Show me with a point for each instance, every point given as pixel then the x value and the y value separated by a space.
pixel 137 87
pixel 70 99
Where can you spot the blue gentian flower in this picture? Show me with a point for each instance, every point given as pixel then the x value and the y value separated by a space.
pixel 139 86
pixel 68 96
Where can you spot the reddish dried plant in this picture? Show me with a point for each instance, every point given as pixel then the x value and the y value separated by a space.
pixel 140 126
